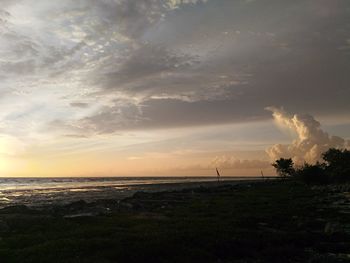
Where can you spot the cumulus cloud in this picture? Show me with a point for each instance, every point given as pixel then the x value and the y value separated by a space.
pixel 311 141
pixel 230 162
pixel 228 165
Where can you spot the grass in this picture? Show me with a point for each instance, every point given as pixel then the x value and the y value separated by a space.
pixel 262 222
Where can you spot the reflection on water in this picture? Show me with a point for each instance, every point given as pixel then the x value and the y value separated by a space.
pixel 44 191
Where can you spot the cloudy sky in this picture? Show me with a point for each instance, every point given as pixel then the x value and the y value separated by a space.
pixel 170 87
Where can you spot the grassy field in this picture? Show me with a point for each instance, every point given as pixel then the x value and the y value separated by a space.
pixel 257 222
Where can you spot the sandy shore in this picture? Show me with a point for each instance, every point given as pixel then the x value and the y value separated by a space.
pixel 39 197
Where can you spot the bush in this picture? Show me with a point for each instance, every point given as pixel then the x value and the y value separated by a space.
pixel 284 167
pixel 312 174
pixel 335 169
pixel 337 165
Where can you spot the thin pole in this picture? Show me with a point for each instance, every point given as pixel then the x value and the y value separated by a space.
pixel 262 174
pixel 217 174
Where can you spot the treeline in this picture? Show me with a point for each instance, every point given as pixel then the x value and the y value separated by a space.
pixel 335 168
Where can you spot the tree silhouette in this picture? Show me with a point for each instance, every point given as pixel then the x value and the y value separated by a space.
pixel 337 164
pixel 312 174
pixel 284 167
pixel 334 169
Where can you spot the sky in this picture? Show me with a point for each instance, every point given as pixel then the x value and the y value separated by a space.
pixel 171 87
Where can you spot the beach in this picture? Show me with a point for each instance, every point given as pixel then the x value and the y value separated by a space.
pixel 41 192
pixel 274 221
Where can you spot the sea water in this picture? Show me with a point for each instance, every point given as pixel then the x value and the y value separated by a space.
pixel 47 191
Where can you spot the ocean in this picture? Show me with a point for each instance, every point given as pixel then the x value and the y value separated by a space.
pixel 40 192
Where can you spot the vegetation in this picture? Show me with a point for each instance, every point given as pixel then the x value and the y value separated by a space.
pixel 284 167
pixel 334 169
pixel 254 222
pixel 337 165
pixel 260 222
pixel 312 174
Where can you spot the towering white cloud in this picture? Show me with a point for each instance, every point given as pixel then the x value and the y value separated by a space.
pixel 311 141
pixel 230 162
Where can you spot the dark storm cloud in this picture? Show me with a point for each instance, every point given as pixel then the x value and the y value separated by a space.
pixel 147 62
pixel 154 63
pixel 164 113
pixel 248 55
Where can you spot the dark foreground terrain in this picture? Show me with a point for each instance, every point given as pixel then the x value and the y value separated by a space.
pixel 256 222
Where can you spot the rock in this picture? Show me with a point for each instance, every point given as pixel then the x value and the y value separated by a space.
pixel 346 228
pixel 78 205
pixel 80 215
pixel 127 205
pixel 332 227
pixel 141 195
pixel 15 209
pixel 4 227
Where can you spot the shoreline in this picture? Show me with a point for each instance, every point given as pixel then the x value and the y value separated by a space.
pixel 274 221
pixel 63 195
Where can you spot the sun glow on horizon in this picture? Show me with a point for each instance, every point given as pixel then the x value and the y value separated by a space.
pixel 130 88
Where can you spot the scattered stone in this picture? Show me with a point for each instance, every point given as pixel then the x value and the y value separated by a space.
pixel 78 205
pixel 16 209
pixel 80 215
pixel 4 227
pixel 126 205
pixel 332 227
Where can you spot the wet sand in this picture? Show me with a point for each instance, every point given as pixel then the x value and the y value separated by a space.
pixel 56 194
